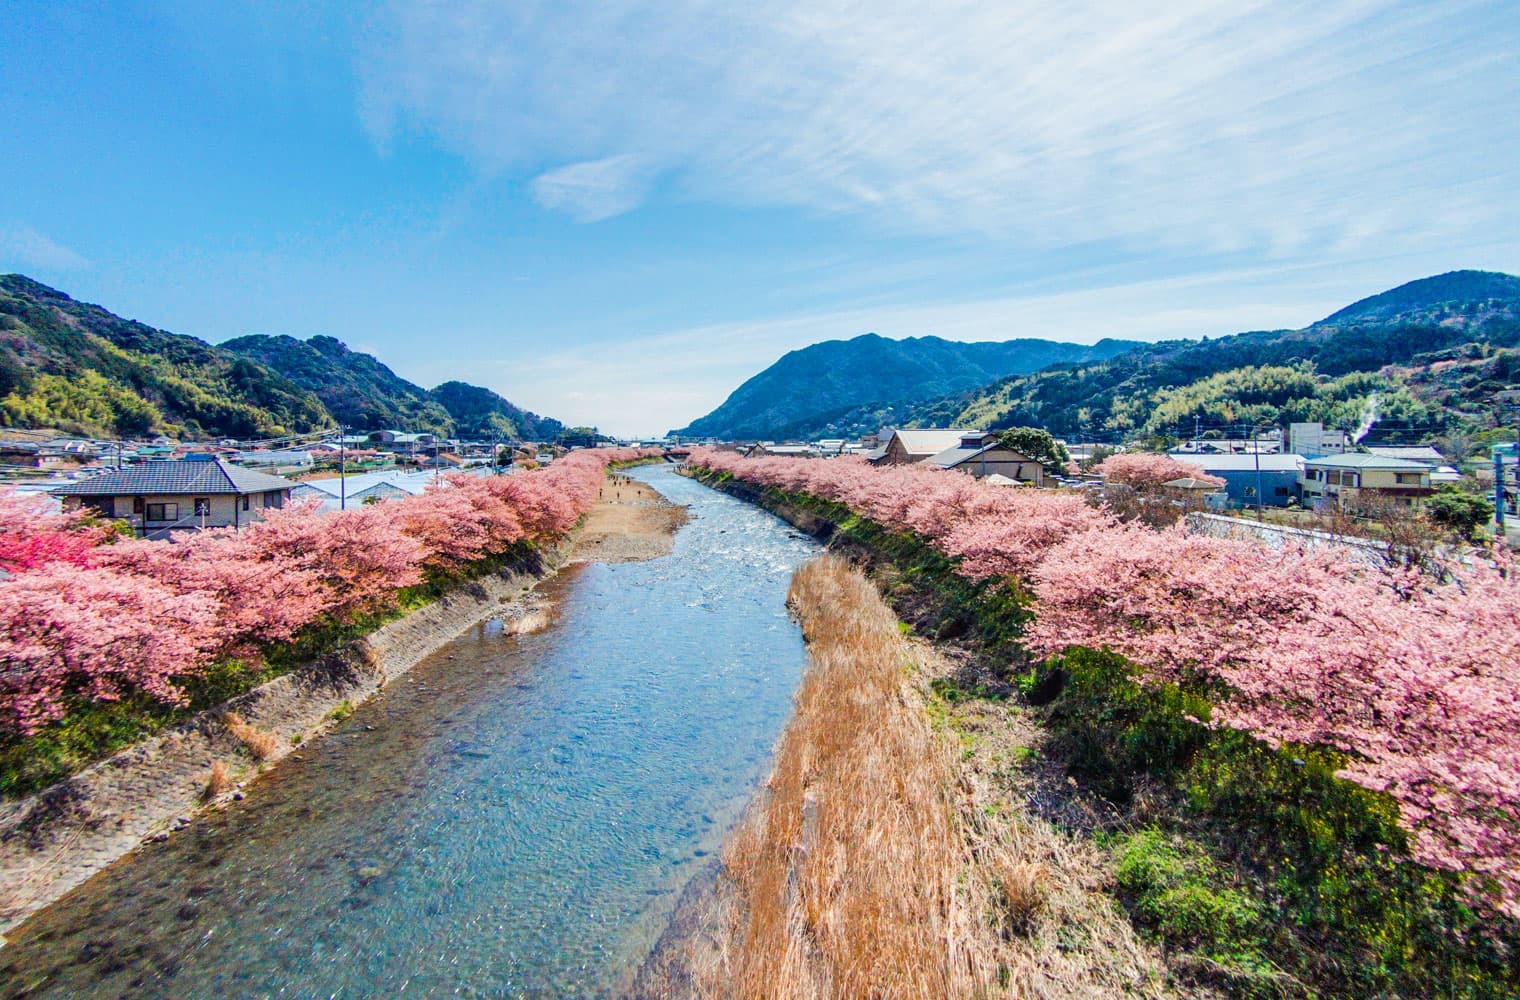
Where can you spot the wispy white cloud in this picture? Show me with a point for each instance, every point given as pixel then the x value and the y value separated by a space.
pixel 1282 128
pixel 650 384
pixel 31 249
pixel 594 189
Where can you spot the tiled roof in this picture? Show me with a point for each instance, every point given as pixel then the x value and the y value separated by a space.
pixel 199 477
pixel 951 457
pixel 1424 454
pixel 1361 461
pixel 932 442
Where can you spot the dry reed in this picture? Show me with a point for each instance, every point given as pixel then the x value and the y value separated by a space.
pixel 218 781
pixel 260 743
pixel 847 878
pixel 881 862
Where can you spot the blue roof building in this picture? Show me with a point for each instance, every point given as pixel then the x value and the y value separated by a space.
pixel 1278 476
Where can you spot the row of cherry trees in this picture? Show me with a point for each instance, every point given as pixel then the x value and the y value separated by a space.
pixel 1416 681
pixel 87 611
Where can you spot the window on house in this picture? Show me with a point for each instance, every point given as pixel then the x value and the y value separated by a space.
pixel 1282 491
pixel 245 503
pixel 163 512
pixel 137 505
pixel 271 499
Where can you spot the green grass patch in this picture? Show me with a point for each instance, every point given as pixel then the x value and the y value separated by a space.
pixel 1330 892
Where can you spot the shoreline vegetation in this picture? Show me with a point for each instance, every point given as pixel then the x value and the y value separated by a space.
pixel 78 683
pixel 1244 869
pixel 869 865
pixel 201 756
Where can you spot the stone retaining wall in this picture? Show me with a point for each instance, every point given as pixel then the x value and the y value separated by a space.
pixel 56 839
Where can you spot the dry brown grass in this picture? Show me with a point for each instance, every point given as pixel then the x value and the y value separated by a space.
pixel 874 864
pixel 260 743
pixel 846 879
pixel 218 781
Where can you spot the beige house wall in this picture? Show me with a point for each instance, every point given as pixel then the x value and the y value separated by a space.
pixel 226 510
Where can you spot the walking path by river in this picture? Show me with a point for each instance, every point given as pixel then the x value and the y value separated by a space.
pixel 515 817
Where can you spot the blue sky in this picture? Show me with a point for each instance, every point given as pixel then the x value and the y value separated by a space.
pixel 614 212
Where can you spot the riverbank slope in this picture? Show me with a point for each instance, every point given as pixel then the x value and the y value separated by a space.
pixel 879 860
pixel 1254 872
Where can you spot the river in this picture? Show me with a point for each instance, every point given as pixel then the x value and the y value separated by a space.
pixel 514 817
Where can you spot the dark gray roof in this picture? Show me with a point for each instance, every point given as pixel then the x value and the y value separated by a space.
pixel 951 457
pixel 201 477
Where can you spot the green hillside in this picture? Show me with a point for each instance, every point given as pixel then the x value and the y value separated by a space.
pixel 481 413
pixel 810 392
pixel 356 388
pixel 1431 357
pixel 361 392
pixel 76 367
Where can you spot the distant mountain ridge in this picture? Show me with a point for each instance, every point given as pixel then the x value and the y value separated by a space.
pixel 82 369
pixel 360 391
pixel 805 392
pixel 1453 287
pixel 1432 350
pixel 355 388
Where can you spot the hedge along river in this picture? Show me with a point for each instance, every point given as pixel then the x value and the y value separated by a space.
pixel 515 817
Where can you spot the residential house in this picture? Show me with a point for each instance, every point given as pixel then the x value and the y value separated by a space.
pixel 289 459
pixel 158 498
pixel 1269 443
pixel 363 487
pixel 1362 481
pixel 788 450
pixel 1424 454
pixel 907 447
pixel 402 442
pixel 1275 476
pixel 1192 493
pixel 982 455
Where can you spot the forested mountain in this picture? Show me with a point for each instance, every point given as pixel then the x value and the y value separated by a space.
pixel 1433 351
pixel 355 387
pixel 481 413
pixel 360 391
pixel 809 390
pixel 1454 289
pixel 81 369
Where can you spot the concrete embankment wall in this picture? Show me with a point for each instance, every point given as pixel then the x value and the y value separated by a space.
pixel 56 839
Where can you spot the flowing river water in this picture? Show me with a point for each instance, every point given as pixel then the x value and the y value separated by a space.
pixel 515 817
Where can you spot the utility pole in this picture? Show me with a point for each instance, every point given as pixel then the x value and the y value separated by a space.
pixel 1511 396
pixel 342 469
pixel 1498 493
pixel 1256 450
pixel 1197 431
